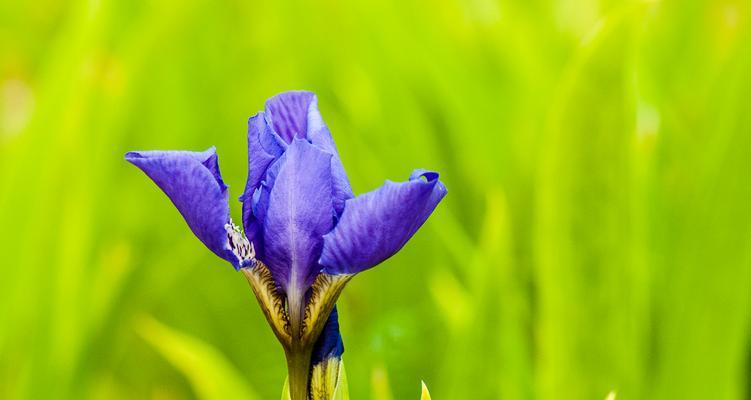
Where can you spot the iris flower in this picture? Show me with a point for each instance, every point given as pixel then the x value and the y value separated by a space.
pixel 304 233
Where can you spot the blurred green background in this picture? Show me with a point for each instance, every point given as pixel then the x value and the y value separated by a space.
pixel 596 235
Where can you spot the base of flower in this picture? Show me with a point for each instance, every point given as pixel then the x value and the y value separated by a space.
pixel 298 368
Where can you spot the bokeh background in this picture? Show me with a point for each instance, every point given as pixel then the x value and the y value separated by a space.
pixel 595 236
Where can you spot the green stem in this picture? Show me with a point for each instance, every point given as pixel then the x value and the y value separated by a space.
pixel 298 354
pixel 298 368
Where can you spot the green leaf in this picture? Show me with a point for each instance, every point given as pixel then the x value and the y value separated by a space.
pixel 342 388
pixel 285 390
pixel 425 394
pixel 209 373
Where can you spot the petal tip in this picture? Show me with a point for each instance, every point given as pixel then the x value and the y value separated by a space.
pixel 256 116
pixel 430 176
pixel 287 113
pixel 132 156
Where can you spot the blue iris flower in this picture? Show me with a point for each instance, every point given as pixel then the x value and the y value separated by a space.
pixel 304 232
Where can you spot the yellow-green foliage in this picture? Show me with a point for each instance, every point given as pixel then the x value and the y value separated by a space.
pixel 596 235
pixel 425 395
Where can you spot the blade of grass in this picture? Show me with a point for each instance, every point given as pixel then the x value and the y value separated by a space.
pixel 208 371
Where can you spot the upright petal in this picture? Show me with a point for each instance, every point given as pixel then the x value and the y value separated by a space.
pixel 258 205
pixel 319 134
pixel 193 182
pixel 377 224
pixel 287 113
pixel 299 213
pixel 295 114
pixel 263 150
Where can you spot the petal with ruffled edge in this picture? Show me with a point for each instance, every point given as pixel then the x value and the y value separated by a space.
pixel 295 114
pixel 299 213
pixel 377 224
pixel 193 182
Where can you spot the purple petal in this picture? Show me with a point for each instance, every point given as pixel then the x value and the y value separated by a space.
pixel 295 114
pixel 320 136
pixel 258 204
pixel 263 149
pixel 193 182
pixel 330 343
pixel 377 224
pixel 299 213
pixel 287 113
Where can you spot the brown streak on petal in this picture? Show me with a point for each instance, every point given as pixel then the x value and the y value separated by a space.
pixel 271 301
pixel 324 379
pixel 324 293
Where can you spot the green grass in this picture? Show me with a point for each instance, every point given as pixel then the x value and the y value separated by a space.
pixel 596 235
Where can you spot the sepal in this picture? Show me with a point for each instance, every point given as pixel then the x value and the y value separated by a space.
pixel 323 295
pixel 270 299
pixel 324 379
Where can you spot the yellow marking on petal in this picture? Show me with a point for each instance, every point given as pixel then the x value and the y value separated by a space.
pixel 324 293
pixel 324 379
pixel 271 301
pixel 425 394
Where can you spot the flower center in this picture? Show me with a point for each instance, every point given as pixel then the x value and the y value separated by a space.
pixel 239 244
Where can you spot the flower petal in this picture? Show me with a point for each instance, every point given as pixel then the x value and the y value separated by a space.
pixel 318 134
pixel 258 205
pixel 329 343
pixel 263 149
pixel 193 182
pixel 295 114
pixel 377 224
pixel 287 113
pixel 299 213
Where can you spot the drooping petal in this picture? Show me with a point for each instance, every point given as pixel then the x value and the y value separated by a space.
pixel 377 224
pixel 193 182
pixel 263 149
pixel 329 343
pixel 299 213
pixel 295 114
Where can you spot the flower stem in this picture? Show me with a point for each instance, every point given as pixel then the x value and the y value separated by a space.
pixel 298 352
pixel 298 368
